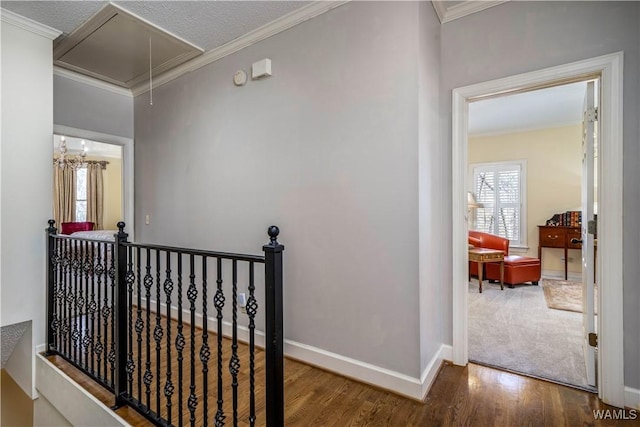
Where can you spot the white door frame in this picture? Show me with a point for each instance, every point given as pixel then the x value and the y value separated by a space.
pixel 127 166
pixel 610 183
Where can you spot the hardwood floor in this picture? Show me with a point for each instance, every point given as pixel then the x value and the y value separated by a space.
pixel 471 396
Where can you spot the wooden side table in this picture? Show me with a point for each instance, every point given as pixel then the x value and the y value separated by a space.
pixel 482 255
pixel 559 237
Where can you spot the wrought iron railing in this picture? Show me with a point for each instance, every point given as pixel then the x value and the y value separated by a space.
pixel 135 318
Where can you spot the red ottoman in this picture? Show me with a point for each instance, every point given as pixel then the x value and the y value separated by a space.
pixel 517 270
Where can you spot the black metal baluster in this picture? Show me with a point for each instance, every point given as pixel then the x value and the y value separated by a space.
pixel 139 323
pixel 205 353
pixel 192 294
pixel 158 332
pixel 180 342
pixel 111 273
pixel 219 304
pixel 148 375
pixel 75 334
pixel 81 300
pixel 62 295
pixel 72 296
pixel 51 319
pixel 234 363
pixel 86 335
pixel 68 300
pixel 168 289
pixel 98 270
pixel 93 306
pixel 106 308
pixel 130 278
pixel 252 309
pixel 59 296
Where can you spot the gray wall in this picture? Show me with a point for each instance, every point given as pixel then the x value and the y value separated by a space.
pixel 82 106
pixel 327 149
pixel 517 37
pixel 430 149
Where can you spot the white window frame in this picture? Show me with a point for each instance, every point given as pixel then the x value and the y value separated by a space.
pixel 522 165
pixel 75 207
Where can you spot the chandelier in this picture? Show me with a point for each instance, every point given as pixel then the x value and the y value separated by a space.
pixel 71 161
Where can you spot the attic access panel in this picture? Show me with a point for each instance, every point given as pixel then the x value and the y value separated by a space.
pixel 113 46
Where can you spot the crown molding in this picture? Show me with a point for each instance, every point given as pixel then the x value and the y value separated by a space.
pixel 29 24
pixel 81 78
pixel 447 14
pixel 277 26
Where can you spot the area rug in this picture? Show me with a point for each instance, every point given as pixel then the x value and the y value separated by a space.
pixel 564 294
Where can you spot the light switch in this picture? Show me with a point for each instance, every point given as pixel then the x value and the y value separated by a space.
pixel 147 219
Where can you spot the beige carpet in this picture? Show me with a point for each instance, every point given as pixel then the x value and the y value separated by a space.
pixel 564 294
pixel 515 330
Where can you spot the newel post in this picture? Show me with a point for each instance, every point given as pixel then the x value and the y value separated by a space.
pixel 120 381
pixel 274 346
pixel 50 231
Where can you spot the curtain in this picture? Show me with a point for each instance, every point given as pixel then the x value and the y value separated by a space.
pixel 95 190
pixel 64 195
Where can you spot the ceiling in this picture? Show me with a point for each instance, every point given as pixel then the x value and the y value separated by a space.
pixel 120 42
pixel 206 24
pixel 94 148
pixel 543 108
pixel 211 26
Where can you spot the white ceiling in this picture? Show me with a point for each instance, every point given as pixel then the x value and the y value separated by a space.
pixel 211 24
pixel 543 108
pixel 206 24
pixel 94 148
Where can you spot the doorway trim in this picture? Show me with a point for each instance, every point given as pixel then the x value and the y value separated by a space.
pixel 127 166
pixel 610 183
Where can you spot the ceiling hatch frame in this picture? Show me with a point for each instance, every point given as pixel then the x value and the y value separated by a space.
pixel 93 49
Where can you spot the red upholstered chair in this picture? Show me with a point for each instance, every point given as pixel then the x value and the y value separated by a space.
pixel 72 227
pixel 517 269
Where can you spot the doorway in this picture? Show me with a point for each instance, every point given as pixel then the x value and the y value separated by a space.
pixel 525 167
pixel 609 271
pixel 126 147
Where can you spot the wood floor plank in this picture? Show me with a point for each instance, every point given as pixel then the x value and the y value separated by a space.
pixel 460 396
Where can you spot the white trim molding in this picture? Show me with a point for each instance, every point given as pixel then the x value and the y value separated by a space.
pixel 456 11
pixel 414 388
pixel 406 385
pixel 29 24
pixel 287 21
pixel 81 78
pixel 632 398
pixel 609 68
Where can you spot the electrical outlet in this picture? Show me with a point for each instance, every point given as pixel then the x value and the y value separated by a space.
pixel 242 302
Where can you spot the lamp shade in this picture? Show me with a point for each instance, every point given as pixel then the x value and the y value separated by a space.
pixel 471 201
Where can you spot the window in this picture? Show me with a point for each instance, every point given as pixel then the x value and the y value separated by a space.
pixel 500 188
pixel 81 194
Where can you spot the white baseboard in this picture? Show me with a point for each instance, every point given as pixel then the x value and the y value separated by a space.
pixel 632 398
pixel 556 274
pixel 429 375
pixel 415 388
pixel 212 323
